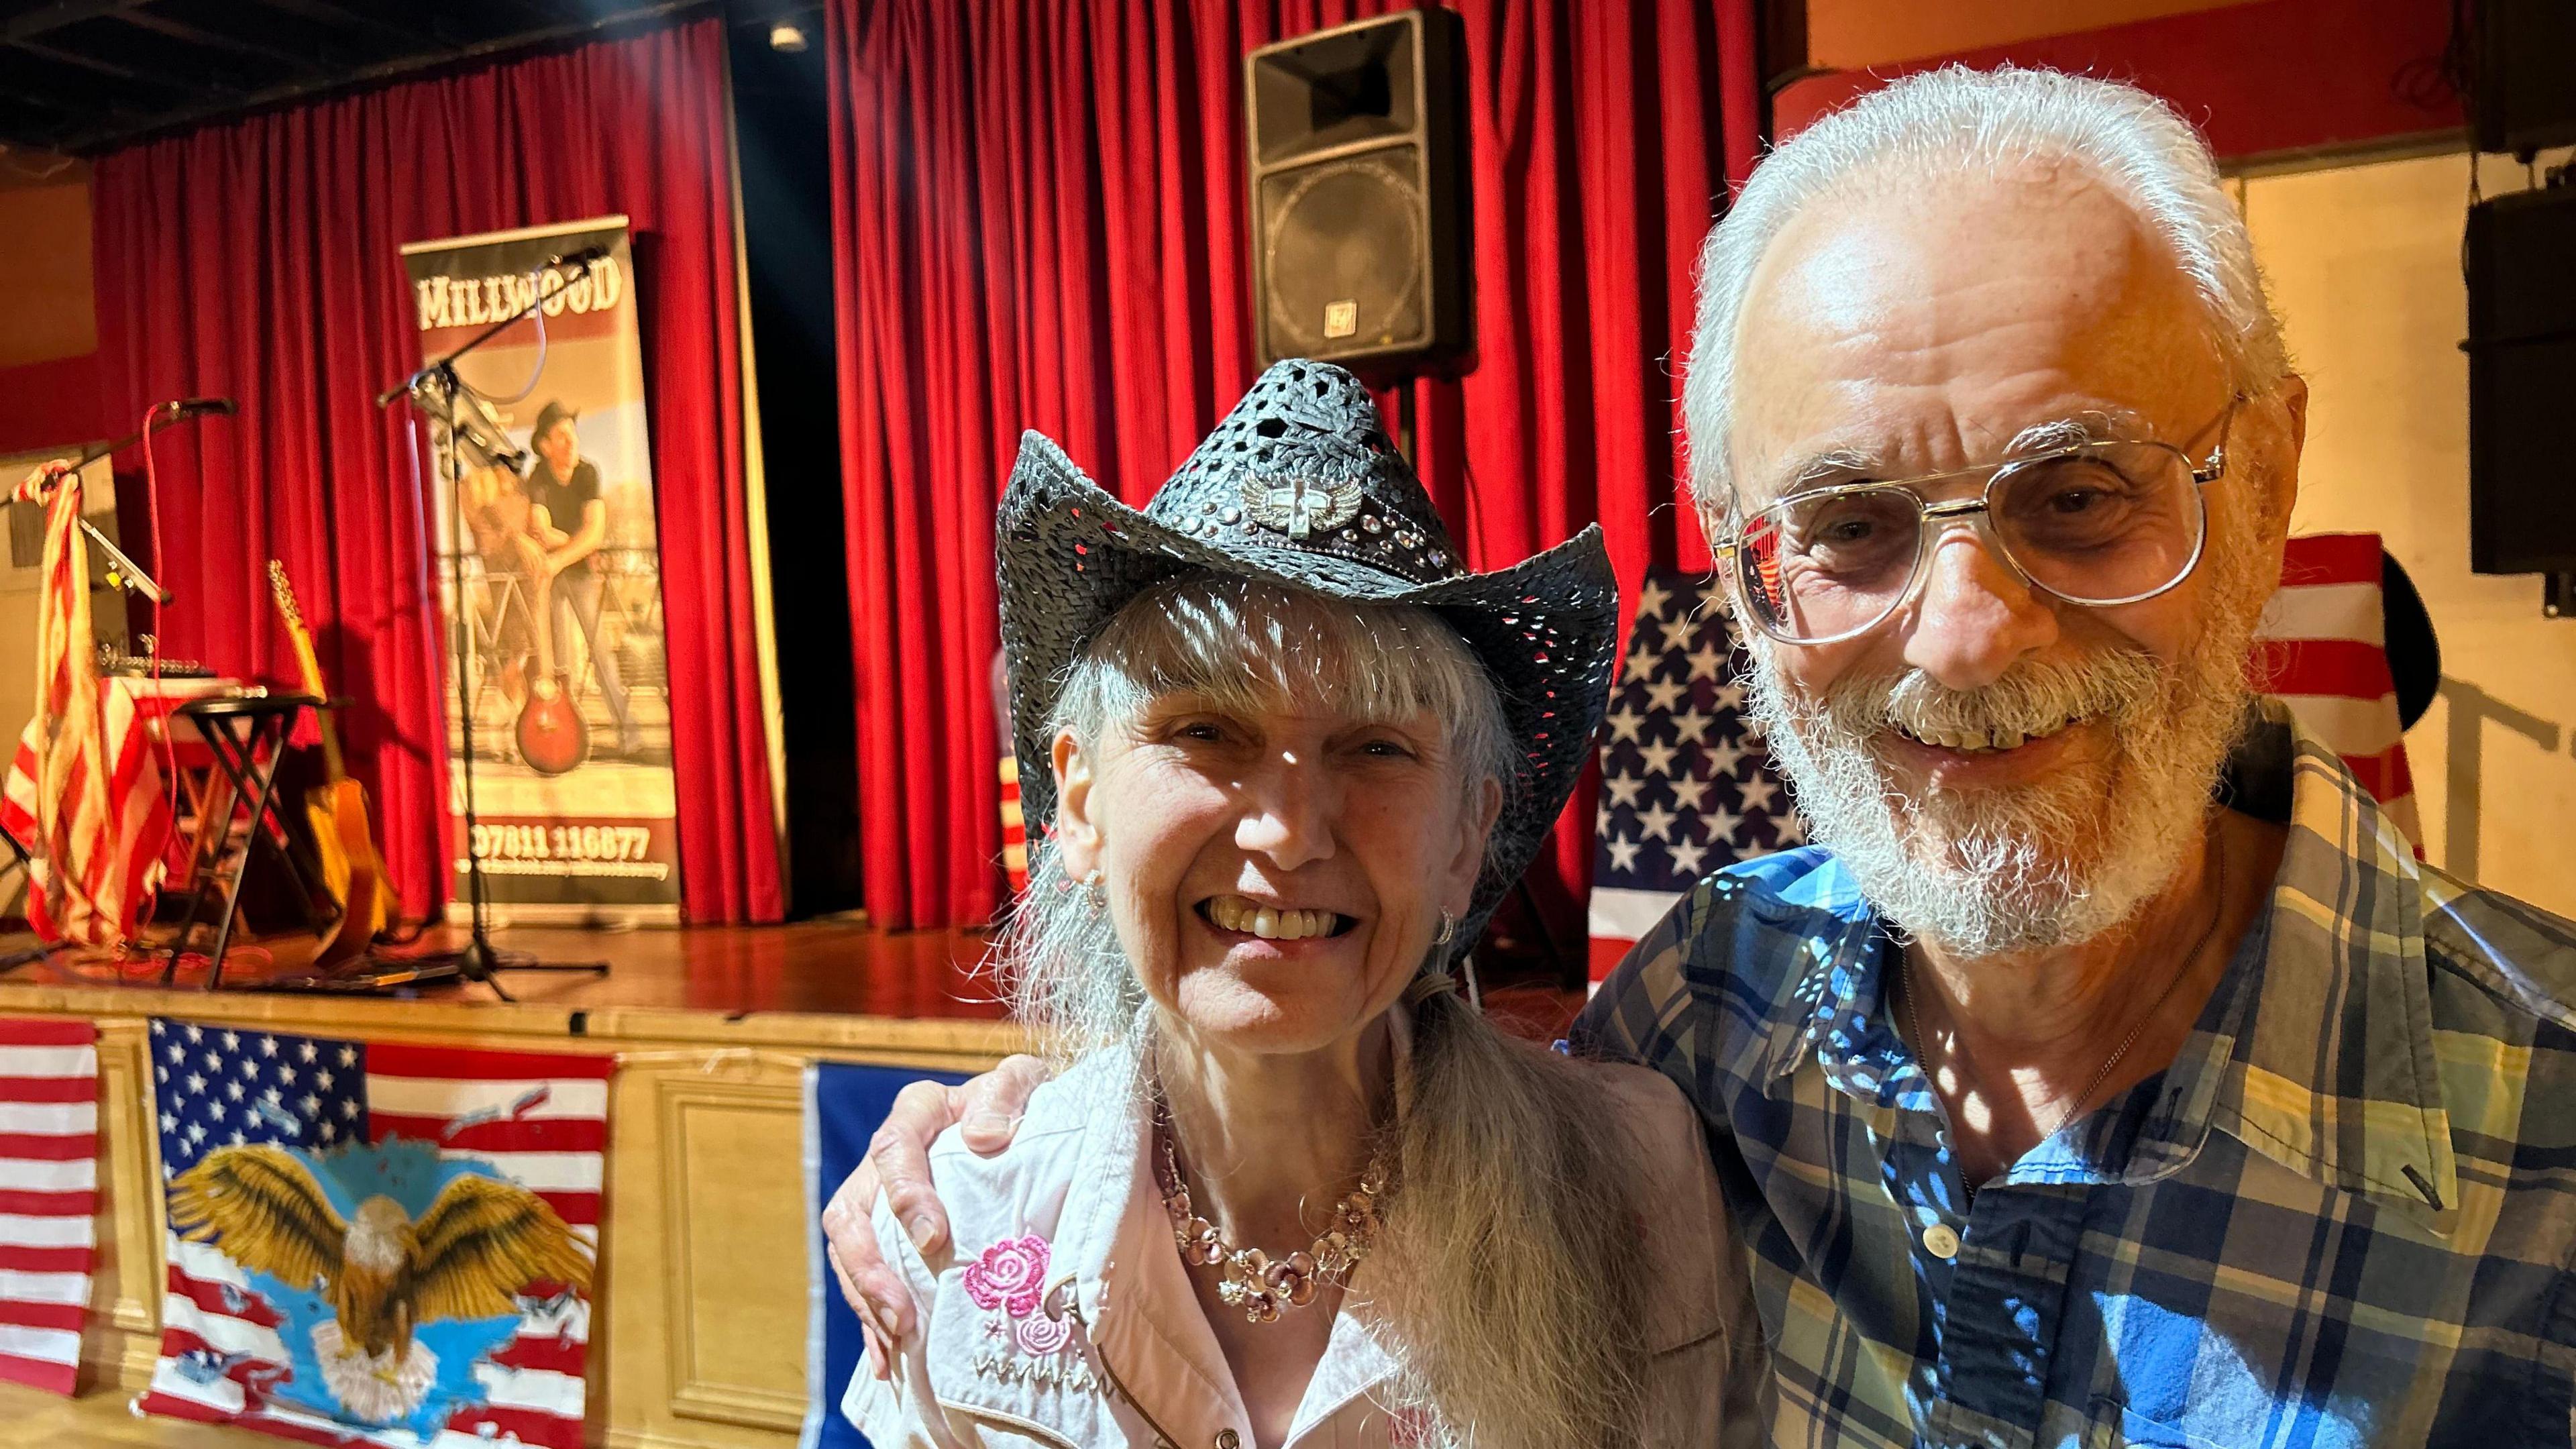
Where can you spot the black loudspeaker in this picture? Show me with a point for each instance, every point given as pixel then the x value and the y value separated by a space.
pixel 1358 161
pixel 2524 93
pixel 2522 382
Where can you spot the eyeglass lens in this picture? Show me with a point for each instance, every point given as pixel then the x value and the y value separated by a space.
pixel 2101 525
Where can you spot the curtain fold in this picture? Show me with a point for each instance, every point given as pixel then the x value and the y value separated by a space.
pixel 260 260
pixel 1039 209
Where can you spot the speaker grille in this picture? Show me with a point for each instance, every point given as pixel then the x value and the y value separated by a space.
pixel 1344 257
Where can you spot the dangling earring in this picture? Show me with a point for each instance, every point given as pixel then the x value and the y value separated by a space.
pixel 1095 897
pixel 1448 930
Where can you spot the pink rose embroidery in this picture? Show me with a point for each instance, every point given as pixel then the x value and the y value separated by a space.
pixel 1041 1335
pixel 1010 1276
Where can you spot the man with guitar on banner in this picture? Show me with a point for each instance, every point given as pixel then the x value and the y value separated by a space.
pixel 569 521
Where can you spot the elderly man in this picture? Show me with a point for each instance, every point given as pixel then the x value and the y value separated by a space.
pixel 2109 1072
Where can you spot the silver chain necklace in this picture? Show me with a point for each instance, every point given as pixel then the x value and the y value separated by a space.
pixel 1914 1028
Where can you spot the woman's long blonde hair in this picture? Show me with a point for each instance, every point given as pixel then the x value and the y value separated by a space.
pixel 1510 1279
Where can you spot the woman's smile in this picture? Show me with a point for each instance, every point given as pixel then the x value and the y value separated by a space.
pixel 1236 915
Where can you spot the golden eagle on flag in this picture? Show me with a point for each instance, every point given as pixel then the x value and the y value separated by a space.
pixel 467 1257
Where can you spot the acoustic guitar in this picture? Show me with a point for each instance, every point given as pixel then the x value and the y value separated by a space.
pixel 353 871
pixel 553 738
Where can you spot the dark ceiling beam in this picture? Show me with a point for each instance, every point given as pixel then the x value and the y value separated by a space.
pixel 114 70
pixel 765 13
pixel 180 30
pixel 367 18
pixel 46 19
pixel 69 113
pixel 45 89
pixel 58 102
pixel 627 16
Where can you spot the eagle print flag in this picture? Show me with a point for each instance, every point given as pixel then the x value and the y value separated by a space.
pixel 377 1244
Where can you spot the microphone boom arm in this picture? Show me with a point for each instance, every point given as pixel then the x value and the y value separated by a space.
pixel 161 416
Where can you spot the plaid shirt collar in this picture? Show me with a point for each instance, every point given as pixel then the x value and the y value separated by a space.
pixel 2315 1050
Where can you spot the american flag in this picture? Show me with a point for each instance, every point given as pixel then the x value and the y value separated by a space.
pixel 2322 648
pixel 48 1196
pixel 85 795
pixel 1686 788
pixel 238 1346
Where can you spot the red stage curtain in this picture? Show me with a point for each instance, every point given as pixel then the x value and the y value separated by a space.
pixel 259 260
pixel 1040 211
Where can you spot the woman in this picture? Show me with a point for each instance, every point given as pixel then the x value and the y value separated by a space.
pixel 1292 1189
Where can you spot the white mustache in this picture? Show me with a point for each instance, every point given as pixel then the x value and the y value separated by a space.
pixel 2038 697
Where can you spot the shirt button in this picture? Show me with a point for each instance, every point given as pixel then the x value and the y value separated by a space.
pixel 1228 1439
pixel 1941 1241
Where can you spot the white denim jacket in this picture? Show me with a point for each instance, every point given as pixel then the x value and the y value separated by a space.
pixel 1063 1316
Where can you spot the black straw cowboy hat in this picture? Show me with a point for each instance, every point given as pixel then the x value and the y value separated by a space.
pixel 1299 486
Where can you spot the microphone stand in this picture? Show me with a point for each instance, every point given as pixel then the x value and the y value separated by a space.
pixel 439 395
pixel 124 570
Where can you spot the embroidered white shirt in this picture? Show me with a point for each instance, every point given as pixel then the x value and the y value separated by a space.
pixel 1063 1315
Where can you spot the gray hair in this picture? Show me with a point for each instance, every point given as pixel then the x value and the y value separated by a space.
pixel 1956 119
pixel 1510 1296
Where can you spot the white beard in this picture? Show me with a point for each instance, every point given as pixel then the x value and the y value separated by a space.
pixel 2049 864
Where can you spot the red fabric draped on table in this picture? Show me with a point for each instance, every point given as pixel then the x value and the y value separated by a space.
pixel 259 260
pixel 1039 207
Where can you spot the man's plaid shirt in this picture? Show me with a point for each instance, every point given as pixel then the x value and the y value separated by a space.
pixel 2344 1215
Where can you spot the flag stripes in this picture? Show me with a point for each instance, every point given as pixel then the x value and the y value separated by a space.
pixel 48 1197
pixel 2322 650
pixel 84 791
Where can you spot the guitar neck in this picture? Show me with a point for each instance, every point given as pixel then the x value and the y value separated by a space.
pixel 308 664
pixel 541 600
pixel 310 667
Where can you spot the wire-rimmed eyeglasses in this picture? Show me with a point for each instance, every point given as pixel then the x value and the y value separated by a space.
pixel 2098 523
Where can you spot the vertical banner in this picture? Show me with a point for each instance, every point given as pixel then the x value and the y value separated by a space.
pixel 567 690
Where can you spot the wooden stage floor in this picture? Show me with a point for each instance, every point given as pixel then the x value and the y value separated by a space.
pixel 826 968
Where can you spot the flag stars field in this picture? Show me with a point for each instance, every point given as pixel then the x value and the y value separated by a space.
pixel 1685 785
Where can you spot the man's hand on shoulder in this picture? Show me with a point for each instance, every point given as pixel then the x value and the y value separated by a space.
pixel 987 1111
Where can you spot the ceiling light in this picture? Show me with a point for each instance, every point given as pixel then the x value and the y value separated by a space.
pixel 788 36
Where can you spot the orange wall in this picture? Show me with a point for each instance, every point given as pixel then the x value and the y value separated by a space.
pixel 2260 78
pixel 1856 34
pixel 48 308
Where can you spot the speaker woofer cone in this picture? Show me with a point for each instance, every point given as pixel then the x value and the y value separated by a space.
pixel 1344 257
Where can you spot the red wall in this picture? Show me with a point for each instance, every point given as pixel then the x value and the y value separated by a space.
pixel 2281 75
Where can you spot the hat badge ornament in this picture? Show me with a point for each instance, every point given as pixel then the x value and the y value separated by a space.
pixel 1300 507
